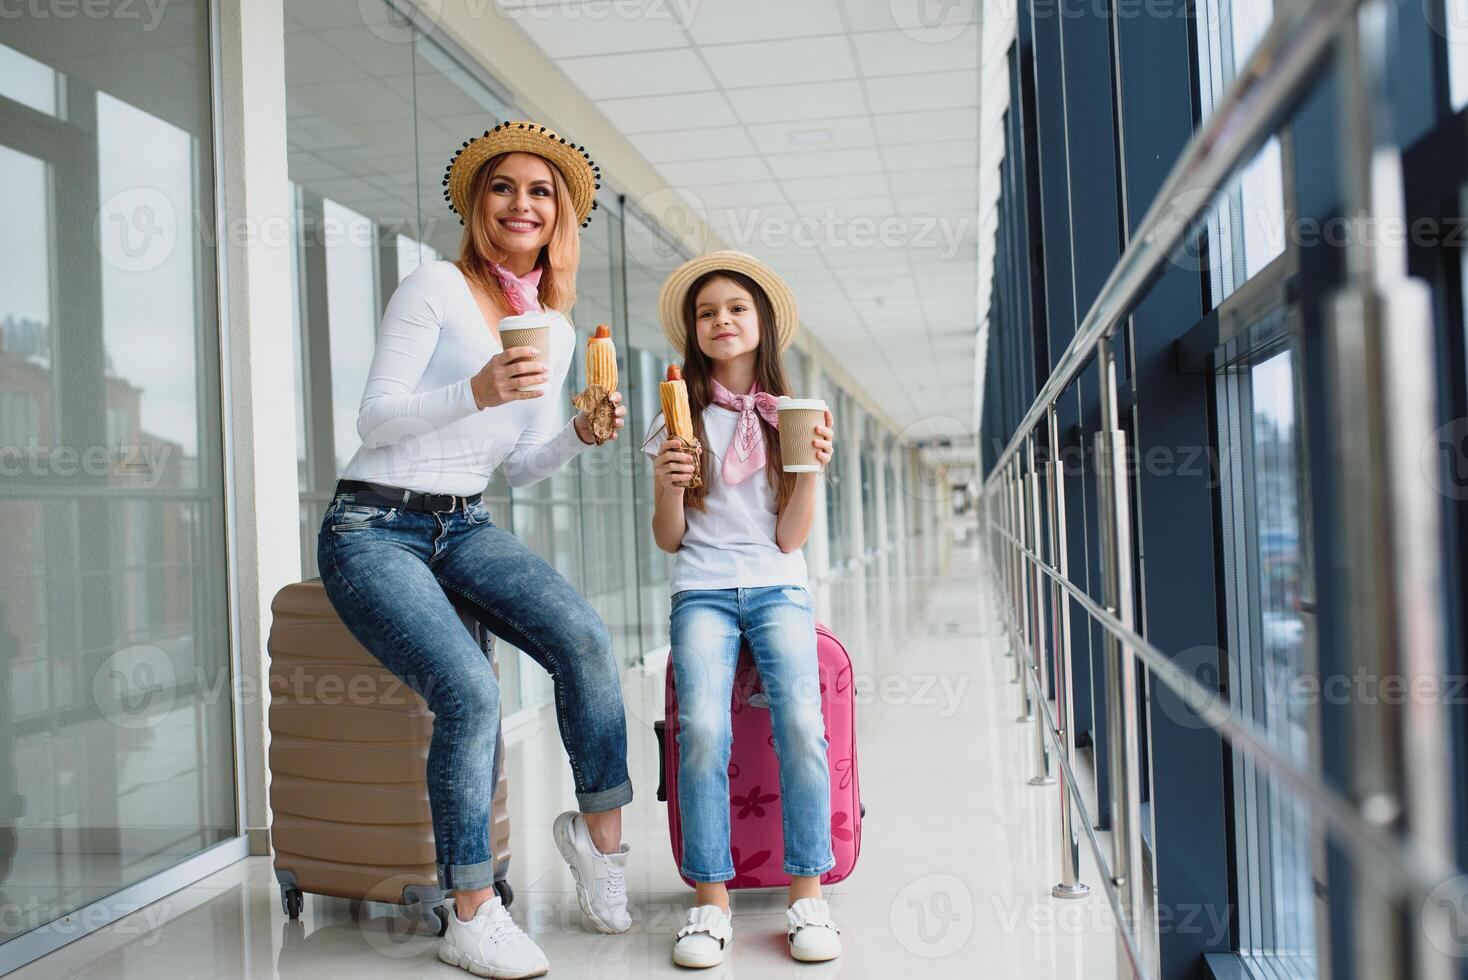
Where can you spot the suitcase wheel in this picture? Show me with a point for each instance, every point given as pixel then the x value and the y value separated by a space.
pixel 292 900
pixel 505 892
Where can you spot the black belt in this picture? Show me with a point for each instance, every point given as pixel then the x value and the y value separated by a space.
pixel 385 496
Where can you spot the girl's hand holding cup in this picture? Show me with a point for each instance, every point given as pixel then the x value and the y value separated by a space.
pixel 806 434
pixel 825 435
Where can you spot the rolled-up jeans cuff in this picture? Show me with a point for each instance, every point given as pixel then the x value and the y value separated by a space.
pixel 466 877
pixel 606 799
pixel 707 877
pixel 809 872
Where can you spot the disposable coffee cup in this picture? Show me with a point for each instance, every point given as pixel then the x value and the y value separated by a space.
pixel 529 330
pixel 798 420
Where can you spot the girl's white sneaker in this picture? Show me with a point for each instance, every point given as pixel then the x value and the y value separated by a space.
pixel 702 940
pixel 812 935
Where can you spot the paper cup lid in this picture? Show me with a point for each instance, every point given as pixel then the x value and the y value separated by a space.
pixel 785 403
pixel 528 321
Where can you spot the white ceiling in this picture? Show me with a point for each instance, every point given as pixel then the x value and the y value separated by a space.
pixel 837 141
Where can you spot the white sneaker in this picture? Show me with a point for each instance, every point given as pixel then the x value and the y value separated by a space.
pixel 702 941
pixel 491 944
pixel 810 931
pixel 601 883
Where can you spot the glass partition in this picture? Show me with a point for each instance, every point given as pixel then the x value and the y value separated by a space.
pixel 869 500
pixel 116 730
pixel 838 486
pixel 649 257
pixel 372 121
pixel 608 532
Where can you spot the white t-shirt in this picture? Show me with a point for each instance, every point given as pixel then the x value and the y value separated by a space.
pixel 731 543
pixel 419 425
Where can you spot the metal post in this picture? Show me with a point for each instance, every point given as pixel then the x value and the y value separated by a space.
pixel 1022 593
pixel 1383 360
pixel 990 534
pixel 998 553
pixel 1038 647
pixel 1001 493
pixel 1011 570
pixel 1115 522
pixel 1070 884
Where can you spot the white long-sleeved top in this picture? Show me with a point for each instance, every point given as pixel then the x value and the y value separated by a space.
pixel 419 425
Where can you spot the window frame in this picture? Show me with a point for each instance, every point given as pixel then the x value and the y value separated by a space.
pixel 1257 324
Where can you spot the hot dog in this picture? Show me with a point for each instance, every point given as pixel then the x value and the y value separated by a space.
pixel 601 360
pixel 677 417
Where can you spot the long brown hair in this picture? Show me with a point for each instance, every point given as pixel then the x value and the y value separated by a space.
pixel 558 258
pixel 769 373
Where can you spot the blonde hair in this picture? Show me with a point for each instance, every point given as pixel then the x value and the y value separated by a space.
pixel 558 258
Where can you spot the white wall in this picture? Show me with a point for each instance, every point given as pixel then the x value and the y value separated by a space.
pixel 256 286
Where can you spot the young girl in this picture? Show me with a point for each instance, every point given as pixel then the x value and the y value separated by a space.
pixel 739 575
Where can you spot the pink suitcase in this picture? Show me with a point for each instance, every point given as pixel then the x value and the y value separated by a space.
pixel 756 844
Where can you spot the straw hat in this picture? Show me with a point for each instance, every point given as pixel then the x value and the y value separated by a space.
pixel 675 292
pixel 582 176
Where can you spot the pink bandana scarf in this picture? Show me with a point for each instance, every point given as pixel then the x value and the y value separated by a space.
pixel 522 293
pixel 746 453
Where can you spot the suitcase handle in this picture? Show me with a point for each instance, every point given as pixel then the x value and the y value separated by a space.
pixel 659 729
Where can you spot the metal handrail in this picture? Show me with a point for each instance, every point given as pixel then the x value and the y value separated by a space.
pixel 1073 797
pixel 1378 300
pixel 1409 868
pixel 1262 94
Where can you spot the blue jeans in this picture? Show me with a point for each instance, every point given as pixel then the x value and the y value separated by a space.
pixel 777 622
pixel 387 570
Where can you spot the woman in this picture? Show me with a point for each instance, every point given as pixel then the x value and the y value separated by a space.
pixel 444 406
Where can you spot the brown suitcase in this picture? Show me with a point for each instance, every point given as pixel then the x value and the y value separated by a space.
pixel 348 756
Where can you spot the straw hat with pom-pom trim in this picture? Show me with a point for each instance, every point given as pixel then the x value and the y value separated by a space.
pixel 582 175
pixel 675 292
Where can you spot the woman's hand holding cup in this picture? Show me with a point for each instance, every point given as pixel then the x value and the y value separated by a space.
pixel 509 376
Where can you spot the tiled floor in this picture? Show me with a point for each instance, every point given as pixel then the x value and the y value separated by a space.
pixel 958 853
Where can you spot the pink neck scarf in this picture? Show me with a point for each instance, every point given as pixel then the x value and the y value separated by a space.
pixel 522 293
pixel 746 453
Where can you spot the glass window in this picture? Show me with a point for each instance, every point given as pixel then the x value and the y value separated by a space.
pixel 888 451
pixel 372 120
pixel 608 531
pixel 869 502
pixel 1246 228
pixel 1268 581
pixel 352 158
pixel 650 256
pixel 116 736
pixel 352 314
pixel 1456 23
pixel 29 82
pixel 838 518
pixel 796 361
pixel 412 253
